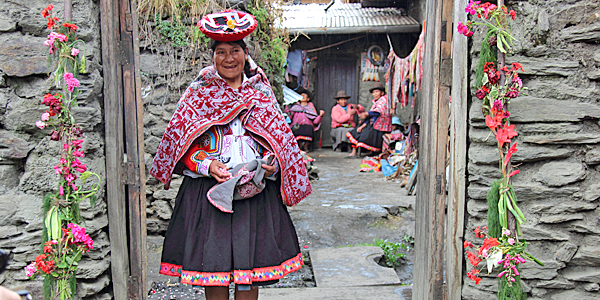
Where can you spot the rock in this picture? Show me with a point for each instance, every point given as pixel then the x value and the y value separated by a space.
pixel 592 193
pixel 7 24
pixel 545 66
pixel 574 294
pixel 151 144
pixel 530 109
pixel 594 75
pixel 101 247
pixel 163 209
pixel 579 227
pixel 13 145
pixel 158 96
pixel 87 117
pixel 539 233
pixel 560 173
pixel 539 192
pixel 477 209
pixel 154 65
pixel 22 55
pixel 21 115
pixel 544 129
pixel 588 253
pixel 168 195
pixel 554 219
pixel 559 89
pixel 588 33
pixel 596 57
pixel 546 272
pixel 526 153
pixel 561 206
pixel 471 293
pixel 566 138
pixel 592 287
pixel 91 269
pixel 149 120
pixel 543 23
pixel 556 284
pixel 96 224
pixel 85 289
pixel 156 226
pixel 592 156
pixel 585 274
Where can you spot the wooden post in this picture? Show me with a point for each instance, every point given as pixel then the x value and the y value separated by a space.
pixel 125 169
pixel 431 186
pixel 458 158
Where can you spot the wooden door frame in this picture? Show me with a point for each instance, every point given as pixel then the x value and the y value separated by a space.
pixel 124 150
pixel 434 228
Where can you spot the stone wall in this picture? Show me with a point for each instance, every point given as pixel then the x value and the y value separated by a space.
pixel 559 150
pixel 27 155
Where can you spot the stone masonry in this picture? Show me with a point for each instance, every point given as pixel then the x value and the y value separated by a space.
pixel 27 155
pixel 559 150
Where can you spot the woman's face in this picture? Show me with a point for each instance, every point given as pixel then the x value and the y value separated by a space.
pixel 342 102
pixel 305 98
pixel 229 59
pixel 377 94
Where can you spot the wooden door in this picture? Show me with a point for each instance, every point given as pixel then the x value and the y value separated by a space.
pixel 333 74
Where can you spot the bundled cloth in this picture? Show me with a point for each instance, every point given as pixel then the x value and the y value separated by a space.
pixel 370 164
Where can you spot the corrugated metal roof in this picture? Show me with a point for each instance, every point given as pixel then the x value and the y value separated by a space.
pixel 345 18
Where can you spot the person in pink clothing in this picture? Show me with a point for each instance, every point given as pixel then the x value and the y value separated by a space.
pixel 342 119
pixel 305 119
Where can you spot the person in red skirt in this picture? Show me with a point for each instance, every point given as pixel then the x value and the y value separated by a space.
pixel 241 166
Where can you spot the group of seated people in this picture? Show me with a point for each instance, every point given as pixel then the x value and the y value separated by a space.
pixel 376 128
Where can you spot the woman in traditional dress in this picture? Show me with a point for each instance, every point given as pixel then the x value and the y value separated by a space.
pixel 241 166
pixel 378 121
pixel 305 117
pixel 342 119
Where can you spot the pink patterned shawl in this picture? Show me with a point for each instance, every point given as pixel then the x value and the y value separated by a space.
pixel 210 101
pixel 384 121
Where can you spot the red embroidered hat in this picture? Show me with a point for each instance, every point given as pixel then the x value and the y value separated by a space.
pixel 227 26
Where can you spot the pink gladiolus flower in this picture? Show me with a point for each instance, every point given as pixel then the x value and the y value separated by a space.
pixel 77 153
pixel 77 144
pixel 40 124
pixel 74 52
pixel 74 187
pixel 66 148
pixel 57 169
pixel 511 241
pixel 30 269
pixel 501 274
pixel 61 190
pixel 69 178
pixel 462 28
pixel 506 232
pixel 80 236
pixel 72 82
pixel 45 116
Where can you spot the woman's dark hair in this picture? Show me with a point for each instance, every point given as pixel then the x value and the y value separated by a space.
pixel 214 43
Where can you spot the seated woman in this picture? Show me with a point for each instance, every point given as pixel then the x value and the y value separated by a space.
pixel 378 121
pixel 397 134
pixel 342 119
pixel 305 118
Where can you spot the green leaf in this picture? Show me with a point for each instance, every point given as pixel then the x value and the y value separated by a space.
pixel 62 265
pixel 499 43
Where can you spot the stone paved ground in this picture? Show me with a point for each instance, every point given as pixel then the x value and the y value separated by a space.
pixel 347 208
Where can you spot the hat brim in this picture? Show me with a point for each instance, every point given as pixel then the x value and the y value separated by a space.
pixel 377 88
pixel 342 97
pixel 227 26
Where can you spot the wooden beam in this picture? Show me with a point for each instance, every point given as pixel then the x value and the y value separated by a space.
pixel 458 158
pixel 113 112
pixel 429 230
pixel 134 149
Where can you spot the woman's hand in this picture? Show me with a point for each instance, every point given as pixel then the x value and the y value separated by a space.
pixel 363 115
pixel 321 113
pixel 269 170
pixel 218 170
pixel 360 129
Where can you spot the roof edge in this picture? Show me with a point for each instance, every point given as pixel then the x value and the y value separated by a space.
pixel 415 28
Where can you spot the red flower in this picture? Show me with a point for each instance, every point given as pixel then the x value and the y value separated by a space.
pixel 478 233
pixel 468 244
pixel 512 14
pixel 513 173
pixel 51 22
pixel 473 259
pixel 485 89
pixel 473 275
pixel 505 133
pixel 510 152
pixel 495 120
pixel 487 244
pixel 487 66
pixel 73 27
pixel 516 67
pixel 480 94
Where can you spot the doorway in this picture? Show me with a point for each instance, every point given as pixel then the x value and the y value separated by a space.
pixel 333 74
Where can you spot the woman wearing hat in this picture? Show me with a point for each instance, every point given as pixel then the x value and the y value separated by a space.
pixel 378 121
pixel 342 118
pixel 305 118
pixel 228 120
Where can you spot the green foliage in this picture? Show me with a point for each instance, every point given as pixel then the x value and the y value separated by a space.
pixel 486 54
pixel 512 291
pixel 392 252
pixel 172 32
pixel 493 196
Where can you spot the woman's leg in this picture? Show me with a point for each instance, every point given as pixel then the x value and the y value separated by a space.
pixel 252 294
pixel 217 292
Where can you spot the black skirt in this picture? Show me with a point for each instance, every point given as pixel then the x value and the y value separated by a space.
pixel 369 138
pixel 256 244
pixel 304 132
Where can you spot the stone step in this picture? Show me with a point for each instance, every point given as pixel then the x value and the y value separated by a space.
pixel 350 266
pixel 401 292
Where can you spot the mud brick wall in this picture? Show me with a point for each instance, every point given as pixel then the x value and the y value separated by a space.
pixel 559 151
pixel 27 155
